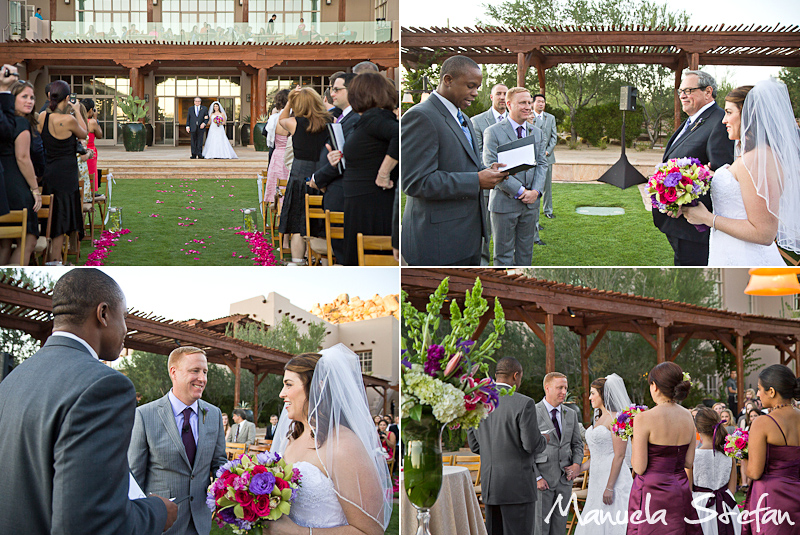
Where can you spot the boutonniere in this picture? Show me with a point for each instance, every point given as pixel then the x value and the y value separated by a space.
pixel 204 411
pixel 698 123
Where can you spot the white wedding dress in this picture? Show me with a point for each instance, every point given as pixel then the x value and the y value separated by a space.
pixel 598 518
pixel 316 504
pixel 217 144
pixel 712 471
pixel 724 249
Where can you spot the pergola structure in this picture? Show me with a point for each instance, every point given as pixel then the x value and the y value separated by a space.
pixel 676 48
pixel 666 325
pixel 30 310
pixel 140 58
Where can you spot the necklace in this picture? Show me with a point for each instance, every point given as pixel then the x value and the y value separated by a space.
pixel 781 406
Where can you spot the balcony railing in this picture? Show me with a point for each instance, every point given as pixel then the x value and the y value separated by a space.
pixel 239 33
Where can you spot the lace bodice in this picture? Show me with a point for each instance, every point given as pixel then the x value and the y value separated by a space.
pixel 711 471
pixel 316 504
pixel 725 250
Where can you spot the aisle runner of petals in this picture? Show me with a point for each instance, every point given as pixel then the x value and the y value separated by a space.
pixel 260 247
pixel 102 244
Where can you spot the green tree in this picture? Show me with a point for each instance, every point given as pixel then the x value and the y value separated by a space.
pixel 13 341
pixel 791 77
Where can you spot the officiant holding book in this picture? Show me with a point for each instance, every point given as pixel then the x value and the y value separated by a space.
pixel 514 202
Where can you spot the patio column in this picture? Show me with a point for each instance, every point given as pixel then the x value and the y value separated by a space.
pixel 237 378
pixel 134 79
pixel 661 345
pixel 677 117
pixel 261 105
pixel 256 382
pixel 585 379
pixel 522 69
pixel 246 11
pixel 550 352
pixel 253 105
pixel 694 61
pixel 797 358
pixel 739 371
pixel 342 10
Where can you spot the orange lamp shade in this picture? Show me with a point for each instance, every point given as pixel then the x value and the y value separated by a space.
pixel 785 283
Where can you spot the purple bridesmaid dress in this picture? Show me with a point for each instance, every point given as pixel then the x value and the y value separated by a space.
pixel 666 484
pixel 780 487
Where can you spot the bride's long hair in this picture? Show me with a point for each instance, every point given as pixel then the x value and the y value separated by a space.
pixel 598 385
pixel 303 365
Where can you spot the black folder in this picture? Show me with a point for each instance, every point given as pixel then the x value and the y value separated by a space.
pixel 524 142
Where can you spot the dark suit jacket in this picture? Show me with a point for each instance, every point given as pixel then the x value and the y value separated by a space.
pixel 444 218
pixel 7 124
pixel 328 176
pixel 270 435
pixel 194 121
pixel 507 442
pixel 66 422
pixel 708 142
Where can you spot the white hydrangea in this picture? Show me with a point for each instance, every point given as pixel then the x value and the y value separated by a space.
pixel 446 400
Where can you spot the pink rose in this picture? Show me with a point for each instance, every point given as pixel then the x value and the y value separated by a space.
pixel 261 505
pixel 281 483
pixel 244 497
pixel 249 514
pixel 670 195
pixel 740 443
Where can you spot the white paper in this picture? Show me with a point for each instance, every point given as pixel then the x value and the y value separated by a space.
pixel 525 155
pixel 338 133
pixel 134 490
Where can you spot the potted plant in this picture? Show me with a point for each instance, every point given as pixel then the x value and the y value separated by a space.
pixel 150 138
pixel 133 132
pixel 259 141
pixel 244 133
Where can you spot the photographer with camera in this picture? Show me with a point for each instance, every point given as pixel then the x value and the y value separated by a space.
pixel 8 75
pixel 63 124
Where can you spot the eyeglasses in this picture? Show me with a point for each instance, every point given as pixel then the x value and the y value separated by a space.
pixel 687 91
pixel 335 90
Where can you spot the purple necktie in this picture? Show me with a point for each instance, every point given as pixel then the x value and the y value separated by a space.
pixel 519 132
pixel 187 437
pixel 554 412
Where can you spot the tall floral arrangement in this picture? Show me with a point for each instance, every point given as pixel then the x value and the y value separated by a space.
pixel 449 376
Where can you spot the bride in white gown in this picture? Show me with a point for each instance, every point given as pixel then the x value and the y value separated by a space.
pixel 217 144
pixel 758 197
pixel 326 431
pixel 606 508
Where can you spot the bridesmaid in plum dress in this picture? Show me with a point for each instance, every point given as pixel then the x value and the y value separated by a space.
pixel 774 456
pixel 662 448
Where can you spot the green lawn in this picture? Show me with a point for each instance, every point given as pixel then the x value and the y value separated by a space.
pixel 392 529
pixel 169 219
pixel 580 240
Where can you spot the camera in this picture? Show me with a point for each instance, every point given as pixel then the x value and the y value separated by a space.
pixel 73 98
pixel 8 74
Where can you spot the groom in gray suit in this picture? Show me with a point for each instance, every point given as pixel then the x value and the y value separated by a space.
pixel 66 421
pixel 507 441
pixel 442 174
pixel 560 463
pixel 178 442
pixel 514 203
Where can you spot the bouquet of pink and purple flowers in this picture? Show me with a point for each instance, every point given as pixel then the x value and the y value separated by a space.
pixel 623 423
pixel 679 182
pixel 736 444
pixel 252 489
pixel 218 120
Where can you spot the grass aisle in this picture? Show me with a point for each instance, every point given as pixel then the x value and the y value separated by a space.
pixel 181 222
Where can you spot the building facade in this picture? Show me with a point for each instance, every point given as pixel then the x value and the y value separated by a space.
pixel 170 51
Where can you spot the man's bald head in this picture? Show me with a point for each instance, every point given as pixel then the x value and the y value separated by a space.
pixel 508 371
pixel 457 66
pixel 77 294
pixel 365 66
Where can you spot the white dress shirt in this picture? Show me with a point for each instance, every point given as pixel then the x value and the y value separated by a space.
pixel 79 339
pixel 499 116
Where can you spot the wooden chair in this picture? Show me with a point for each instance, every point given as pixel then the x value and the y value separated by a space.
pixel 473 464
pixel 374 243
pixel 316 248
pixel 788 257
pixel 43 243
pixel 333 232
pixel 581 491
pixel 100 201
pixel 234 449
pixel 257 448
pixel 88 209
pixel 17 221
pixel 447 460
pixel 390 466
pixel 277 239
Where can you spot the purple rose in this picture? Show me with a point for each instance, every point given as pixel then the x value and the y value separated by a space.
pixel 267 458
pixel 262 483
pixel 227 515
pixel 672 179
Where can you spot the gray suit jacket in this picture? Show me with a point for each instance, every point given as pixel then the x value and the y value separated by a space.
pixel 159 463
pixel 481 122
pixel 548 128
pixel 558 455
pixel 247 432
pixel 444 218
pixel 507 441
pixel 66 422
pixel 501 199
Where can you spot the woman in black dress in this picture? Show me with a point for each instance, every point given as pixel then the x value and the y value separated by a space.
pixel 371 153
pixel 21 188
pixel 61 126
pixel 308 128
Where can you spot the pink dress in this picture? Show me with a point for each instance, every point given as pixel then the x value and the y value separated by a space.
pixel 92 162
pixel 277 169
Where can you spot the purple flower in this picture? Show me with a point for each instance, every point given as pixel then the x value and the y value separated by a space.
pixel 227 515
pixel 406 363
pixel 267 458
pixel 262 483
pixel 211 503
pixel 465 346
pixel 622 417
pixel 672 179
pixel 227 466
pixel 433 364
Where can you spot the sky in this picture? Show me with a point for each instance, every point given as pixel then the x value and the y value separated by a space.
pixel 205 293
pixel 464 13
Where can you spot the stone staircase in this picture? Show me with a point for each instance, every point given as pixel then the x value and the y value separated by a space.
pixel 185 168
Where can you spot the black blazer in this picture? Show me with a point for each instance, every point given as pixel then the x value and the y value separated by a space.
pixel 8 125
pixel 328 176
pixel 708 142
pixel 194 121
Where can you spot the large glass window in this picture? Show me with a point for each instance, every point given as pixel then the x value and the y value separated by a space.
pixel 103 90
pixel 124 16
pixel 207 15
pixel 289 13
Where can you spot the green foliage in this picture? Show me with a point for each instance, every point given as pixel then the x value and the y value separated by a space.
pixel 13 341
pixel 134 108
pixel 791 77
pixel 596 122
pixel 558 113
pixel 415 79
